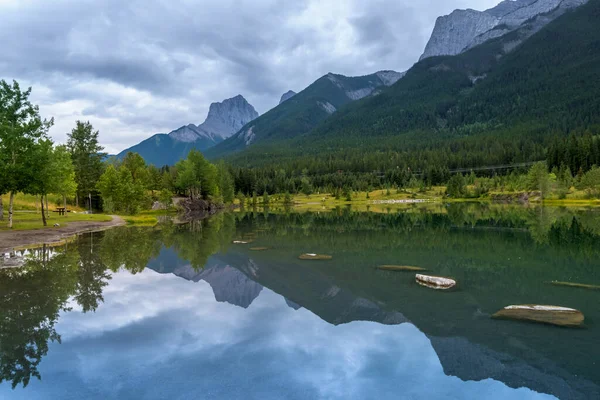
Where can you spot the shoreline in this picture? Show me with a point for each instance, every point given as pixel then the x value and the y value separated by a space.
pixel 9 240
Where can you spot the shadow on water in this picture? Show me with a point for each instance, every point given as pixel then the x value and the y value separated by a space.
pixel 499 255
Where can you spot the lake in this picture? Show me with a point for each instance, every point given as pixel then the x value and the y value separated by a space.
pixel 179 311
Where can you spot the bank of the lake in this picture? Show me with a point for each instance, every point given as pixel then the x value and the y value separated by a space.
pixel 17 238
pixel 436 194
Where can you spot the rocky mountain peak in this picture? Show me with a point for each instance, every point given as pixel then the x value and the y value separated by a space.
pixel 223 120
pixel 287 95
pixel 226 118
pixel 464 29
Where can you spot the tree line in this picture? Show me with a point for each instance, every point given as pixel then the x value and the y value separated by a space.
pixel 130 185
pixel 79 171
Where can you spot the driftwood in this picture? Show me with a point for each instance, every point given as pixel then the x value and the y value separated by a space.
pixel 553 315
pixel 259 248
pixel 400 268
pixel 435 282
pixel 576 285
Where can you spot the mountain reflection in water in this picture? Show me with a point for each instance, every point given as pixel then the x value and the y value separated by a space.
pixel 136 315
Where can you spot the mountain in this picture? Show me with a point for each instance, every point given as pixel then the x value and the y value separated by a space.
pixel 498 103
pixel 228 283
pixel 465 29
pixel 226 118
pixel 223 120
pixel 286 96
pixel 305 110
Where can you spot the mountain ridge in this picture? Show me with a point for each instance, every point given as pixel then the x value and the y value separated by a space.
pixel 462 30
pixel 223 120
pixel 305 110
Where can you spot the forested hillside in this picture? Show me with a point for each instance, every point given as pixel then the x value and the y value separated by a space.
pixel 304 111
pixel 161 149
pixel 500 103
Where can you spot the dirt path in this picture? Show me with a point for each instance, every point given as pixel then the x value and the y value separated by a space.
pixel 12 239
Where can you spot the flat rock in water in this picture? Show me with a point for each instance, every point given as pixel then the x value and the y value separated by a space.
pixel 400 268
pixel 312 256
pixel 553 315
pixel 435 282
pixel 242 241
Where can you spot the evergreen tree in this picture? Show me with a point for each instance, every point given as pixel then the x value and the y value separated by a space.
pixel 87 158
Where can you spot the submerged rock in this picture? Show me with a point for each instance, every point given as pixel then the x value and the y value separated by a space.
pixel 400 268
pixel 553 315
pixel 312 256
pixel 576 285
pixel 435 282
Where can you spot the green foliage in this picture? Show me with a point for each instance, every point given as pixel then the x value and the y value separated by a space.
pixel 165 197
pixel 287 199
pixel 61 174
pixel 538 179
pixel 121 192
pixel 225 182
pixel 590 182
pixel 23 137
pixel 87 156
pixel 456 186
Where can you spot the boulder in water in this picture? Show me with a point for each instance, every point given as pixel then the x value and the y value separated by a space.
pixel 435 282
pixel 553 315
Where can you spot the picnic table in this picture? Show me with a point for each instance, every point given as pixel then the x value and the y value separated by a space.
pixel 61 210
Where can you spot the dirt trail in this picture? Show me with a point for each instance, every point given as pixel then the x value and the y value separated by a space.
pixel 11 239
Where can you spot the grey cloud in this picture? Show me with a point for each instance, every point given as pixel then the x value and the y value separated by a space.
pixel 158 65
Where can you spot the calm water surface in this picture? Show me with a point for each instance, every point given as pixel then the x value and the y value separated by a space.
pixel 179 312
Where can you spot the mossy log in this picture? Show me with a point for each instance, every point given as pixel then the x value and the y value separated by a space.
pixel 435 282
pixel 312 256
pixel 400 268
pixel 552 315
pixel 576 285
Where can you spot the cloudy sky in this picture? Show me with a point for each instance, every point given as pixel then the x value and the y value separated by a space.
pixel 138 67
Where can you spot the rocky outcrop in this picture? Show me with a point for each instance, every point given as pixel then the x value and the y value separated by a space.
pixel 368 87
pixel 464 29
pixel 226 118
pixel 286 96
pixel 223 120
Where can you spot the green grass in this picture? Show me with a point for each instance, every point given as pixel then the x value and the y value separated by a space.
pixel 31 202
pixel 147 218
pixel 33 220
